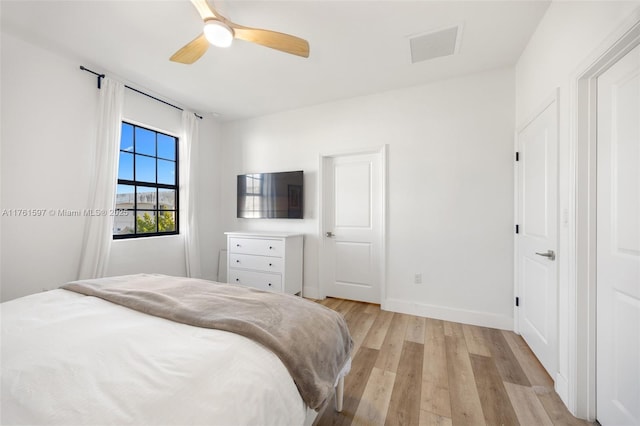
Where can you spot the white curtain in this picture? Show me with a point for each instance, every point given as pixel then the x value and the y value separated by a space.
pixel 189 193
pixel 98 231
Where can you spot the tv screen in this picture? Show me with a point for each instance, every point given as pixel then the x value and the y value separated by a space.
pixel 270 195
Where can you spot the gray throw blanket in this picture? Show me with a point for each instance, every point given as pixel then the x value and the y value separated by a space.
pixel 312 341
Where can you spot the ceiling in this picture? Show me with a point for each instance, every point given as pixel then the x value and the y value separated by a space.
pixel 358 47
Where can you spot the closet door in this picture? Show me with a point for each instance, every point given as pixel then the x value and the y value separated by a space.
pixel 618 239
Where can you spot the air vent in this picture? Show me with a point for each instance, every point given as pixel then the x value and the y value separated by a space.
pixel 434 44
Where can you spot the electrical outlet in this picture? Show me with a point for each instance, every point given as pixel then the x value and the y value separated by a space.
pixel 417 279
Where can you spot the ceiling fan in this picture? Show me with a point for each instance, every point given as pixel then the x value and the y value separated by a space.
pixel 220 32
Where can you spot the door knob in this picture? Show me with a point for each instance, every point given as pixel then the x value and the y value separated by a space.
pixel 330 234
pixel 550 254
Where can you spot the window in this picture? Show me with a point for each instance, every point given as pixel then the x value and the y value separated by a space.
pixel 147 191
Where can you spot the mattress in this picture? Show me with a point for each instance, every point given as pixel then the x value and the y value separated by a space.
pixel 69 359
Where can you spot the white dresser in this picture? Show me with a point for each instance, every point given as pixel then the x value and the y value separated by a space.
pixel 267 261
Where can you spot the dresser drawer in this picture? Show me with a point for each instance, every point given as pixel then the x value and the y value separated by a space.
pixel 259 280
pixel 262 247
pixel 261 263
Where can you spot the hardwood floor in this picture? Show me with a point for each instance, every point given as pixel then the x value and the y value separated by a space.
pixel 408 370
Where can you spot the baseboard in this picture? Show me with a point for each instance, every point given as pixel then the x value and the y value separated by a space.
pixel 483 319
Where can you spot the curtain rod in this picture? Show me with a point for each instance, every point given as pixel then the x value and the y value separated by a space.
pixel 101 76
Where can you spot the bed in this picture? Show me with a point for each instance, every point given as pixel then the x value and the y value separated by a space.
pixel 71 356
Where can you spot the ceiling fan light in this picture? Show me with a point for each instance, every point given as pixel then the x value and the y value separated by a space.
pixel 218 33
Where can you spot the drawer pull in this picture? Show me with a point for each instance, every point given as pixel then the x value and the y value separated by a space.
pixel 237 245
pixel 270 247
pixel 237 280
pixel 269 284
pixel 237 260
pixel 271 264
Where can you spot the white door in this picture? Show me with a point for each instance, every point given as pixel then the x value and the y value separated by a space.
pixel 537 236
pixel 618 239
pixel 352 249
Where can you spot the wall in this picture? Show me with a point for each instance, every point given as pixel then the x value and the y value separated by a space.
pixel 210 218
pixel 450 185
pixel 48 120
pixel 565 39
pixel 48 117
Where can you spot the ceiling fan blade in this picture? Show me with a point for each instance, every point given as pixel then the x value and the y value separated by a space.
pixel 192 51
pixel 205 11
pixel 275 40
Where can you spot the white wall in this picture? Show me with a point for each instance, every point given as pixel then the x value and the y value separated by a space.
pixel 48 125
pixel 210 217
pixel 48 122
pixel 567 36
pixel 450 187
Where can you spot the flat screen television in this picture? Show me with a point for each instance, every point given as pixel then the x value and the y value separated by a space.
pixel 270 195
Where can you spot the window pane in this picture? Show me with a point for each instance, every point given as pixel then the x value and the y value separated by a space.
pixel 124 197
pixel 123 223
pixel 167 172
pixel 145 141
pixel 145 169
pixel 149 204
pixel 125 166
pixel 166 222
pixel 166 147
pixel 126 138
pixel 167 199
pixel 146 222
pixel 146 198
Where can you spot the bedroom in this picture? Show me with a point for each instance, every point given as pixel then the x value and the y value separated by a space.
pixel 456 132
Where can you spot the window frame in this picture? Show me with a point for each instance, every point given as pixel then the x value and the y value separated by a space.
pixel 156 185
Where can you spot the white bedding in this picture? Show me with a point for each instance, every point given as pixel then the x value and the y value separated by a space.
pixel 59 366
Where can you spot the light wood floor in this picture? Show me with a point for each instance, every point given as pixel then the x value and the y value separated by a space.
pixel 409 370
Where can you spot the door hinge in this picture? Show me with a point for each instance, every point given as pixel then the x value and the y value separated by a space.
pixel 517 301
pixel 517 156
pixel 517 229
